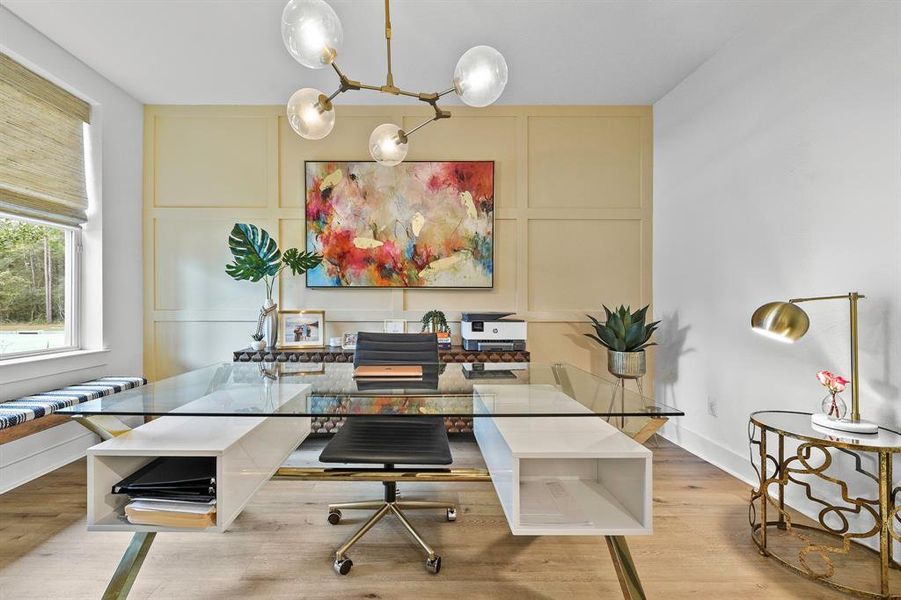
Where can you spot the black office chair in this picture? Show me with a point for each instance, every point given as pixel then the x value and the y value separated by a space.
pixel 391 440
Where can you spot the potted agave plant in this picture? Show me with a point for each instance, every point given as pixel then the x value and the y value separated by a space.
pixel 256 257
pixel 625 335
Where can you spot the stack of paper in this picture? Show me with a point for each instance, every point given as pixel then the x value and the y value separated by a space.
pixel 171 513
pixel 172 491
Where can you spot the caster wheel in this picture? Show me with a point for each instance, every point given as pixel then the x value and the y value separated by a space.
pixel 433 565
pixel 452 514
pixel 342 566
pixel 334 517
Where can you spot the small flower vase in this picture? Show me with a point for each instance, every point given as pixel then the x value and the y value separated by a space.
pixel 834 407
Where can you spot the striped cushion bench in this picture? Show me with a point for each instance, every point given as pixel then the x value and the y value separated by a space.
pixel 29 408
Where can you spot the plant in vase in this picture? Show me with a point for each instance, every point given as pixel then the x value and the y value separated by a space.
pixel 833 405
pixel 625 335
pixel 256 257
pixel 434 321
pixel 258 342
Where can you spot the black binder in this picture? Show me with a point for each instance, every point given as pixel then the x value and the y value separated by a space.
pixel 174 478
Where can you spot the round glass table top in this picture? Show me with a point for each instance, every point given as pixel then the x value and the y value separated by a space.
pixel 797 425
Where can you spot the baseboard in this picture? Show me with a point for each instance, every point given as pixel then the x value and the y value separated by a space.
pixel 709 451
pixel 30 457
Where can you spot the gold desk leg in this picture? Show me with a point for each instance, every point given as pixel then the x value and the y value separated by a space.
pixel 649 429
pixel 779 473
pixel 106 426
pixel 625 568
pixel 885 512
pixel 763 491
pixel 128 568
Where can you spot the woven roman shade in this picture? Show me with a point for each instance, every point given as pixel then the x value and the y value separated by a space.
pixel 42 171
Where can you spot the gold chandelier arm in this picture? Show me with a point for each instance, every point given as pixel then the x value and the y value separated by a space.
pixel 430 98
pixel 389 80
pixel 420 126
pixel 439 114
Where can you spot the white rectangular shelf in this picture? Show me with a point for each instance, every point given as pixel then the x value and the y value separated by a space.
pixel 561 475
pixel 248 450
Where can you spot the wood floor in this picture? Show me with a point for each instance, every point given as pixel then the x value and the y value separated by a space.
pixel 281 546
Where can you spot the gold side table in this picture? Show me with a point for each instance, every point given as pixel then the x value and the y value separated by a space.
pixel 825 552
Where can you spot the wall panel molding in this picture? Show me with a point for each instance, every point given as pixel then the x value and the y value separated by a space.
pixel 550 220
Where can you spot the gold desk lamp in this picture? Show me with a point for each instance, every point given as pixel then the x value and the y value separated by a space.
pixel 787 322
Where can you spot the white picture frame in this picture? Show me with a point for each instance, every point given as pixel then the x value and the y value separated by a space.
pixel 301 329
pixel 395 326
pixel 349 340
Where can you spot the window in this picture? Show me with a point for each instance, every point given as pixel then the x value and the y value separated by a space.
pixel 43 204
pixel 38 288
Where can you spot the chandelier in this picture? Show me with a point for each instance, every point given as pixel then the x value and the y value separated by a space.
pixel 313 35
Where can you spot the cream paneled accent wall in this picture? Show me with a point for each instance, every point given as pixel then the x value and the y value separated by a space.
pixel 572 229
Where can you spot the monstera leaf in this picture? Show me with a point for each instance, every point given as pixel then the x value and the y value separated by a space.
pixel 300 262
pixel 257 257
pixel 256 253
pixel 250 268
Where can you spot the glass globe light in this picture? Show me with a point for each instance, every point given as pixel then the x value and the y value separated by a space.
pixel 388 144
pixel 311 114
pixel 480 76
pixel 312 32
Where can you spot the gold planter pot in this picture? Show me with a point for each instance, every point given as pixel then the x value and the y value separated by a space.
pixel 626 365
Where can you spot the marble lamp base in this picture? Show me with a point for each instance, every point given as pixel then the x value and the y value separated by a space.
pixel 843 424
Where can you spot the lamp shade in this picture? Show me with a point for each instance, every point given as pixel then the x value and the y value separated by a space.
pixel 312 32
pixel 480 76
pixel 310 114
pixel 388 144
pixel 782 321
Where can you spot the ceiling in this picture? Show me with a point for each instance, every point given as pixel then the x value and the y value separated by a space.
pixel 231 52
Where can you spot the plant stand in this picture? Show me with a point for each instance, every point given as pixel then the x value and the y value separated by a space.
pixel 620 386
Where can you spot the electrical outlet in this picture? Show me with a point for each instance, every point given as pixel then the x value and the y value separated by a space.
pixel 711 406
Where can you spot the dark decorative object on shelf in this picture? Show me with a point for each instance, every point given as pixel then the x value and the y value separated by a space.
pixel 328 425
pixel 456 354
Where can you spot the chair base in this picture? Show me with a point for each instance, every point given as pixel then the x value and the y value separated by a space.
pixel 390 505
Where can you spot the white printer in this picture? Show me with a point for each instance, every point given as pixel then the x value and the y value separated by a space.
pixel 485 331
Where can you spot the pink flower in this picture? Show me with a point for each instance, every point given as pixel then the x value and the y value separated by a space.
pixel 839 383
pixel 825 377
pixel 834 383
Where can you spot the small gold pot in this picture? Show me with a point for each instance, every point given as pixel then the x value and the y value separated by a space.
pixel 626 365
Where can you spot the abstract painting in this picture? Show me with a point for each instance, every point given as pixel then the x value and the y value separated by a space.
pixel 419 224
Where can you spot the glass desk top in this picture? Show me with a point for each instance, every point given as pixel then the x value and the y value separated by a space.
pixel 798 426
pixel 330 389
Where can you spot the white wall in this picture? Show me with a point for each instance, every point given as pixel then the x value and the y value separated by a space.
pixel 778 174
pixel 113 278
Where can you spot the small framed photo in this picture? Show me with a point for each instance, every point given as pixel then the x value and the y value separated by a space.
pixel 349 341
pixel 395 326
pixel 301 328
pixel 301 368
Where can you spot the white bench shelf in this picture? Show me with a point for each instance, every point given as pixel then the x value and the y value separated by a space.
pixel 562 475
pixel 248 450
